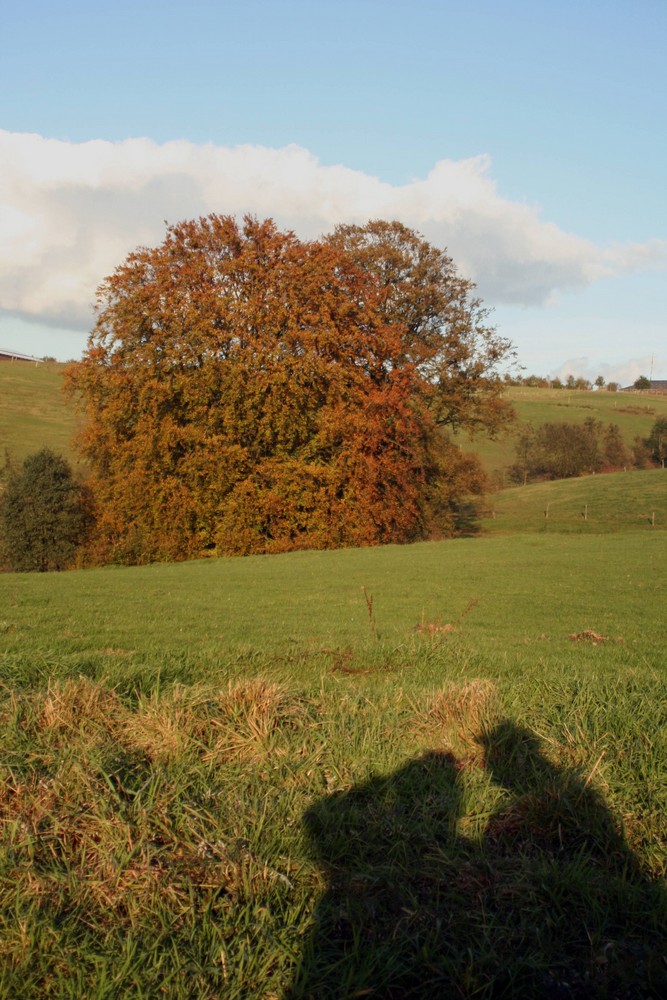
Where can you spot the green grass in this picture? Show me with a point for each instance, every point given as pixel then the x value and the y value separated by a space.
pixel 419 771
pixel 635 414
pixel 633 502
pixel 499 593
pixel 33 410
pixel 254 778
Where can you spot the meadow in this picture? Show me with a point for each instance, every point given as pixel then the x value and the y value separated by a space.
pixel 426 770
pixel 410 771
pixel 33 410
pixel 633 501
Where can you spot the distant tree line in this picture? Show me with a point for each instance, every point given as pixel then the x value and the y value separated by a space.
pixel 564 450
pixel 570 382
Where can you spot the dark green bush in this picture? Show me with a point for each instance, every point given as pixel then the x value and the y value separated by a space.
pixel 557 451
pixel 42 515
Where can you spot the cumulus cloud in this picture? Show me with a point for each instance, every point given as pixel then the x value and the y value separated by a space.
pixel 624 373
pixel 69 213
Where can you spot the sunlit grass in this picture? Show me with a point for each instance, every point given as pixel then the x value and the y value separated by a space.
pixel 620 501
pixel 226 778
pixel 498 594
pixel 33 411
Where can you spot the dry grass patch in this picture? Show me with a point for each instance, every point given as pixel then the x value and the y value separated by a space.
pixel 454 717
pixel 588 635
pixel 110 812
pixel 161 727
pixel 80 708
pixel 435 628
pixel 245 719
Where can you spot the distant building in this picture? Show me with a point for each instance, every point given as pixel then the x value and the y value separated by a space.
pixel 15 356
pixel 656 385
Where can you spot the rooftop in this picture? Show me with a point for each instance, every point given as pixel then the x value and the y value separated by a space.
pixel 17 356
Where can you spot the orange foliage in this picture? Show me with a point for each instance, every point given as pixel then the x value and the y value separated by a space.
pixel 247 391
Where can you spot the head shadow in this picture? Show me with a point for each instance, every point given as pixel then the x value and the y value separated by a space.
pixel 549 901
pixel 552 811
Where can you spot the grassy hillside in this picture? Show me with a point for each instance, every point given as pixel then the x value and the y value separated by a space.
pixel 633 501
pixel 33 411
pixel 635 414
pixel 430 770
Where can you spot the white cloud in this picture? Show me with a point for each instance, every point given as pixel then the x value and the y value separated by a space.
pixel 624 373
pixel 69 213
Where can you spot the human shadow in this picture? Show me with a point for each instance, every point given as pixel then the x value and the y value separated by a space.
pixel 599 919
pixel 548 902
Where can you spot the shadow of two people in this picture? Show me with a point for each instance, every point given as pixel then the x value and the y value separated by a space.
pixel 549 903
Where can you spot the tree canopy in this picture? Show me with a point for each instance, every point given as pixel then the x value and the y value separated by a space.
pixel 657 440
pixel 247 391
pixel 563 450
pixel 441 322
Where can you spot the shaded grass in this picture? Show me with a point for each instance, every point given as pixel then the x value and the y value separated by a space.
pixel 258 840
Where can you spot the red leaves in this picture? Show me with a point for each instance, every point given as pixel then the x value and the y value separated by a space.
pixel 246 390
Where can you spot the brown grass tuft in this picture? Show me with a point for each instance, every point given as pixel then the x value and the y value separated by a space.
pixel 160 727
pixel 245 718
pixel 588 635
pixel 456 714
pixel 79 706
pixel 435 628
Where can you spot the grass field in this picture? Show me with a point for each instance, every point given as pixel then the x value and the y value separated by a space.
pixel 436 770
pixel 621 501
pixel 33 410
pixel 430 770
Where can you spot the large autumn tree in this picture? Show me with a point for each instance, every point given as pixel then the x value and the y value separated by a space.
pixel 247 391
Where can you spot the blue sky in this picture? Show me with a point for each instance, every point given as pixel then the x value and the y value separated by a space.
pixel 527 137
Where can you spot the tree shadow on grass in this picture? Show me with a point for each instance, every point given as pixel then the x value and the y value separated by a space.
pixel 550 903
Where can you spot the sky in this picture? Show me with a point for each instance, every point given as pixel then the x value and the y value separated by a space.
pixel 527 137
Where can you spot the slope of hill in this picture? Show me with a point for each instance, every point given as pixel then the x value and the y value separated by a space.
pixel 618 501
pixel 33 411
pixel 635 413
